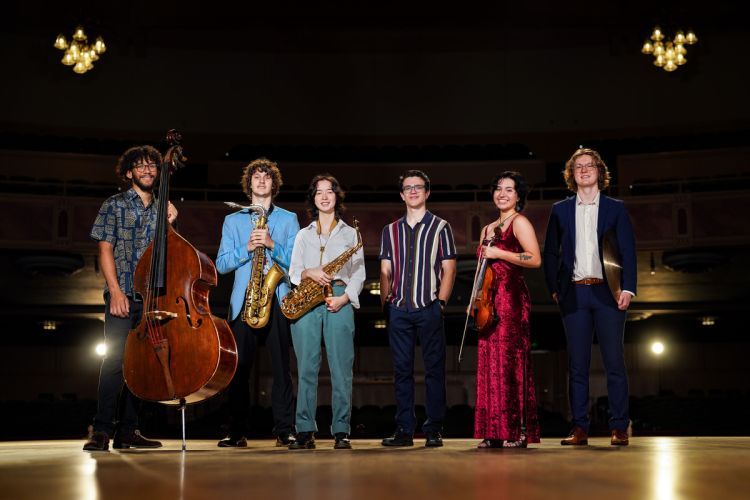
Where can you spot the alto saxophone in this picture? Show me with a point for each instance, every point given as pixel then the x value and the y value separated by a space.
pixel 260 288
pixel 309 293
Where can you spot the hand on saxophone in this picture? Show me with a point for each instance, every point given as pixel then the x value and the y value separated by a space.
pixel 260 238
pixel 317 275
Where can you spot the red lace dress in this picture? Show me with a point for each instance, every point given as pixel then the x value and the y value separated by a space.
pixel 502 396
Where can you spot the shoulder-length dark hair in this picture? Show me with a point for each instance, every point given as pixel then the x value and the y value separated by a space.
pixel 134 156
pixel 569 176
pixel 338 209
pixel 520 186
pixel 263 165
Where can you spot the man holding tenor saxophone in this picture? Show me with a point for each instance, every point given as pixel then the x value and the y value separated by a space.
pixel 256 243
pixel 328 266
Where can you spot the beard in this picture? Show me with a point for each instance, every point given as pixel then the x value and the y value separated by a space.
pixel 148 188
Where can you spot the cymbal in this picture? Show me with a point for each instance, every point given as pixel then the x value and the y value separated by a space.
pixel 612 265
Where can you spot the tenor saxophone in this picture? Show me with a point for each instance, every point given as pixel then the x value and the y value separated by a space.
pixel 309 293
pixel 260 287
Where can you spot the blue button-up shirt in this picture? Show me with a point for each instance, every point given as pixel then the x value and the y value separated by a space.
pixel 129 227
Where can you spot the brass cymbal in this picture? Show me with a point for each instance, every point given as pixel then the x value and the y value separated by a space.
pixel 612 265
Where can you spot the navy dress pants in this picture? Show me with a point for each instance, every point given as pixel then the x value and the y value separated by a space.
pixel 596 311
pixel 404 328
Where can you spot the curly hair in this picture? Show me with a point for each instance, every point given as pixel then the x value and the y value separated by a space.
pixel 520 185
pixel 134 156
pixel 414 173
pixel 338 209
pixel 568 174
pixel 262 165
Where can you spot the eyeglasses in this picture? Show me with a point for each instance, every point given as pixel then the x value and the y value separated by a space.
pixel 590 166
pixel 141 167
pixel 414 187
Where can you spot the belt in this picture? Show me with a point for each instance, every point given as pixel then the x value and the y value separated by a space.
pixel 589 281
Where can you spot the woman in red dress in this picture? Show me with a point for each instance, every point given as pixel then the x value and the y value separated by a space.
pixel 505 414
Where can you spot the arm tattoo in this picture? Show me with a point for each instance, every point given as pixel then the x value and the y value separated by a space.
pixel 523 256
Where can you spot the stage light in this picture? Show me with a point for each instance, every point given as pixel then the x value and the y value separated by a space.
pixel 379 324
pixel 101 349
pixel 79 53
pixel 668 54
pixel 49 325
pixel 657 348
pixel 708 321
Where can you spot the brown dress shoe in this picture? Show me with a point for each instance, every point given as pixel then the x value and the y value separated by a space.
pixel 133 439
pixel 620 438
pixel 578 437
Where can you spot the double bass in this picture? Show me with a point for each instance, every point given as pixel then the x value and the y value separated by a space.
pixel 481 309
pixel 179 353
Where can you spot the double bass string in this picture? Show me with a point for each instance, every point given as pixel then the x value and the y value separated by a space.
pixel 154 330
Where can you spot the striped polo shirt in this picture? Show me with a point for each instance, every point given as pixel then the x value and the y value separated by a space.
pixel 416 255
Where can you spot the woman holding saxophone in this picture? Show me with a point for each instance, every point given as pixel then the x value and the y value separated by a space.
pixel 329 254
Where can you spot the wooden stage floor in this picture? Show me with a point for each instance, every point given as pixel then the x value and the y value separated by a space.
pixel 651 467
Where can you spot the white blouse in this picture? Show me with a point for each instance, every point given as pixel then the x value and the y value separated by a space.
pixel 306 255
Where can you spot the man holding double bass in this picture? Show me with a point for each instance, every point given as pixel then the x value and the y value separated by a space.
pixel 124 228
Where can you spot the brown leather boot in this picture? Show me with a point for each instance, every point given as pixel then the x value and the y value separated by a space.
pixel 620 438
pixel 578 437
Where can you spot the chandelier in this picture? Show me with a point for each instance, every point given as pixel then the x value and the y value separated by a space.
pixel 668 54
pixel 79 53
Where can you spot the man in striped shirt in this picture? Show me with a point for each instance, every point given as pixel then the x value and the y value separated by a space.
pixel 417 271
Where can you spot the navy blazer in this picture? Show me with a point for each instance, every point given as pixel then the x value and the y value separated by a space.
pixel 560 245
pixel 234 256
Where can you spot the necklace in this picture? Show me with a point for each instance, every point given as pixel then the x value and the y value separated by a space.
pixel 328 238
pixel 505 219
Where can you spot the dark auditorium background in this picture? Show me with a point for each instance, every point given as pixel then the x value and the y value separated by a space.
pixel 366 92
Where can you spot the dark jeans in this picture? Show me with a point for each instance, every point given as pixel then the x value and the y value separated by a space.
pixel 276 335
pixel 117 408
pixel 404 327
pixel 596 312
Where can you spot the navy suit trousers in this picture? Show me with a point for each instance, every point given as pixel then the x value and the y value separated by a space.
pixel 596 311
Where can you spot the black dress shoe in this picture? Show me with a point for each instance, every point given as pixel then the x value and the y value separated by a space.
pixel 399 439
pixel 96 441
pixel 433 440
pixel 285 439
pixel 342 441
pixel 233 442
pixel 304 441
pixel 133 439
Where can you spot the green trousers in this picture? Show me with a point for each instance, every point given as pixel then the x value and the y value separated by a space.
pixel 337 332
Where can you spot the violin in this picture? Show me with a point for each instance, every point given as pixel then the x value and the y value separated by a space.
pixel 481 311
pixel 178 353
pixel 483 305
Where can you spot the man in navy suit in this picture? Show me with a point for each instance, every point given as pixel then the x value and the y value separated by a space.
pixel 574 272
